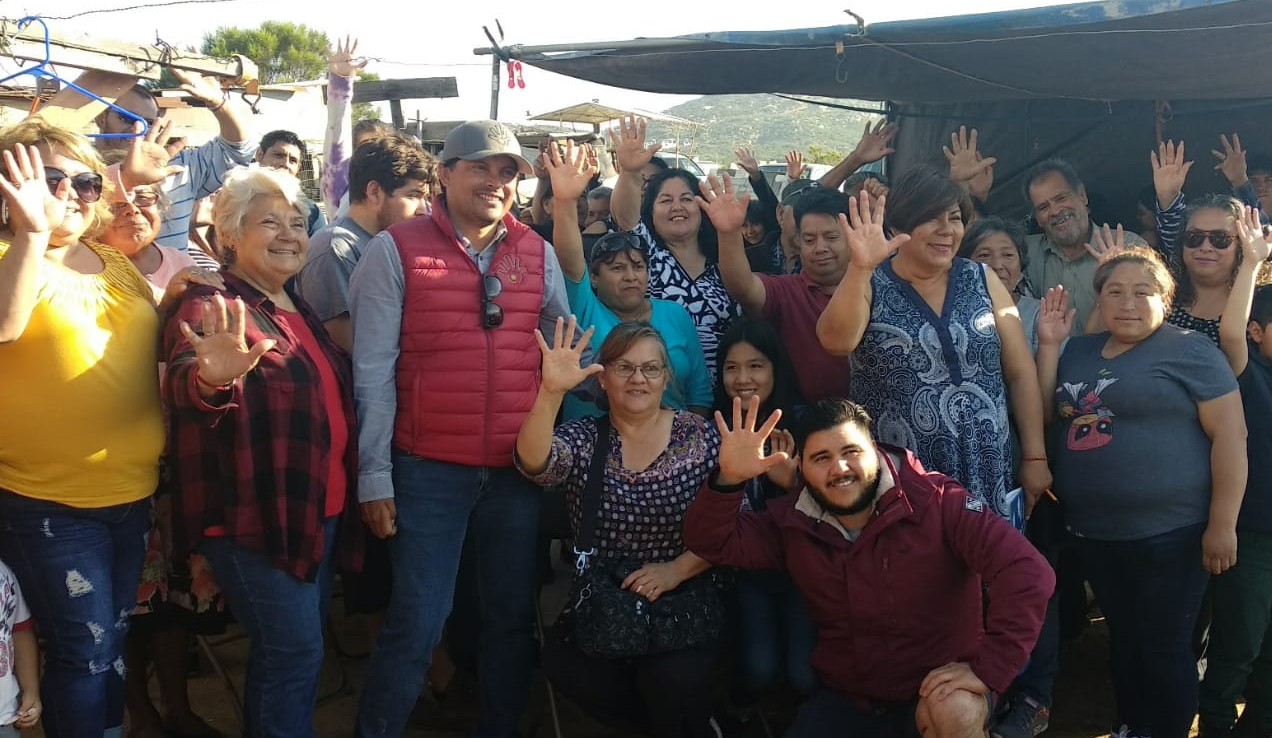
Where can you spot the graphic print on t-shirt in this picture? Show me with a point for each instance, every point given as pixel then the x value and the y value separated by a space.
pixel 1090 421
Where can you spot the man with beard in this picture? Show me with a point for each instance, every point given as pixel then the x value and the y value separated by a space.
pixel 892 560
pixel 1060 254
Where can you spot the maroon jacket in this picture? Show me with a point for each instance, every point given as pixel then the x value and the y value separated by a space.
pixel 905 598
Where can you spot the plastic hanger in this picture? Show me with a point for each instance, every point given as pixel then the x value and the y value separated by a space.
pixel 42 70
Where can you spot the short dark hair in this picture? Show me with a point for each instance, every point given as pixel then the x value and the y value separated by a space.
pixel 831 412
pixel 1054 165
pixel 763 336
pixel 373 128
pixel 986 226
pixel 821 201
pixel 660 163
pixel 1261 308
pixel 283 137
pixel 389 161
pixel 599 193
pixel 920 195
pixel 1258 163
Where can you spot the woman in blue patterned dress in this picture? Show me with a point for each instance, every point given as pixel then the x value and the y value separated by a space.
pixel 936 342
pixel 658 460
pixel 680 242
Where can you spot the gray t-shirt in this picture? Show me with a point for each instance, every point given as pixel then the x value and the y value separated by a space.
pixel 333 253
pixel 1131 459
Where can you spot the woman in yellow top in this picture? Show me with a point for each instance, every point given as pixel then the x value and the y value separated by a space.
pixel 80 425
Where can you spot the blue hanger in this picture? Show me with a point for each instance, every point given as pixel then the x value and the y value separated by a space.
pixel 42 70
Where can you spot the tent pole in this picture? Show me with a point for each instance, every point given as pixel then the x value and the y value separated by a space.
pixel 494 85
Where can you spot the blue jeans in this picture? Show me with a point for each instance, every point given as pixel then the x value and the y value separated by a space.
pixel 1039 676
pixel 79 570
pixel 776 635
pixel 283 618
pixel 1150 592
pixel 438 504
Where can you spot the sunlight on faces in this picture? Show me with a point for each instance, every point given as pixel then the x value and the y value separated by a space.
pixel 823 252
pixel 281 155
pixel 406 202
pixel 621 280
pixel 481 191
pixel 275 238
pixel 133 226
pixel 999 253
pixel 841 468
pixel 935 242
pixel 1208 265
pixel 676 214
pixel 1060 210
pixel 78 214
pixel 1131 303
pixel 637 394
pixel 747 373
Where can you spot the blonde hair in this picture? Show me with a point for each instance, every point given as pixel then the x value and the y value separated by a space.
pixel 38 132
pixel 240 189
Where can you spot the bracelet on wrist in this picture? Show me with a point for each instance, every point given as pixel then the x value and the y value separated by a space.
pixel 217 387
pixel 225 97
pixel 1043 459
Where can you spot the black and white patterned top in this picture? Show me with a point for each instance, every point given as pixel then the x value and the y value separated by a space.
pixel 1181 318
pixel 706 299
pixel 641 515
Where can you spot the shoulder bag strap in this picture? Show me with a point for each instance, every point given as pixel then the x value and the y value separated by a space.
pixel 584 543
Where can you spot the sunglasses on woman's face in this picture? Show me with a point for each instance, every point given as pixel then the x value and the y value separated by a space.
pixel 1195 239
pixel 142 199
pixel 87 185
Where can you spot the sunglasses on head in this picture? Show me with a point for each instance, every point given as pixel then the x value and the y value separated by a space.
pixel 1195 239
pixel 617 242
pixel 491 314
pixel 87 185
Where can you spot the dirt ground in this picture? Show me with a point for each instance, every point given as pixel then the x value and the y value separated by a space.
pixel 1082 709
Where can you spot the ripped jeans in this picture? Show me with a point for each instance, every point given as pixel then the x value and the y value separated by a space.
pixel 79 570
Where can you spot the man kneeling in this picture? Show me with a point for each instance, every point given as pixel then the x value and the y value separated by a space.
pixel 891 560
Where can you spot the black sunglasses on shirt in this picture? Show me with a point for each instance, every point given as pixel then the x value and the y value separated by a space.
pixel 491 313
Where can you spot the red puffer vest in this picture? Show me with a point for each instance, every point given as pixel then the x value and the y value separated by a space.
pixel 463 390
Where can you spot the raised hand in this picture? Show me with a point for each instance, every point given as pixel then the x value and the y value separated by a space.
pixel 1105 242
pixel 221 352
pixel 1254 245
pixel 147 159
pixel 32 208
pixel 742 454
pixel 1055 319
pixel 746 160
pixel 873 145
pixel 1232 160
pixel 983 182
pixel 863 232
pixel 966 162
pixel 1169 171
pixel 875 187
pixel 794 165
pixel 204 89
pixel 569 170
pixel 719 202
pixel 343 61
pixel 786 474
pixel 628 142
pixel 561 370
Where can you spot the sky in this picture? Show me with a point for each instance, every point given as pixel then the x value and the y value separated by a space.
pixel 437 37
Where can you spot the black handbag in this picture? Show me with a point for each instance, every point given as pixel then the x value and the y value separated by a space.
pixel 602 619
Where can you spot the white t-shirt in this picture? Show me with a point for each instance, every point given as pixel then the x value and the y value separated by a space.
pixel 13 615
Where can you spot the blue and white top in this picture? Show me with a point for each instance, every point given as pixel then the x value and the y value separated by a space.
pixel 934 383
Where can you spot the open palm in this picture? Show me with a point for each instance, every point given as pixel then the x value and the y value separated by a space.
pixel 628 142
pixel 1170 170
pixel 721 204
pixel 1055 319
pixel 742 454
pixel 221 351
pixel 562 370
pixel 570 171
pixel 863 232
pixel 32 209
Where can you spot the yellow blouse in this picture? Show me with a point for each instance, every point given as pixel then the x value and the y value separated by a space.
pixel 80 422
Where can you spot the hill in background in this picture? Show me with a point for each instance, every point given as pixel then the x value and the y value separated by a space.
pixel 771 125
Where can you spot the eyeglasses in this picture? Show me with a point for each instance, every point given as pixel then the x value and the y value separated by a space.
pixel 87 185
pixel 1194 239
pixel 491 314
pixel 617 242
pixel 651 370
pixel 143 199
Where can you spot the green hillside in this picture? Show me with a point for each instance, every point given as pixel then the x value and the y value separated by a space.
pixel 770 124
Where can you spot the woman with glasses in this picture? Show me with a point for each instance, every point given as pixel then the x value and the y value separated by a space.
pixel 658 459
pixel 610 286
pixel 82 430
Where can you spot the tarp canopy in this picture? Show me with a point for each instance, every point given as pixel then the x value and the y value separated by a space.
pixel 1108 50
pixel 595 113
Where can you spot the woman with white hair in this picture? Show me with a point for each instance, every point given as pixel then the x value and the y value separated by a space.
pixel 259 444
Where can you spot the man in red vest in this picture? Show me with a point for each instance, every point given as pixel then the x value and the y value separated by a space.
pixel 444 308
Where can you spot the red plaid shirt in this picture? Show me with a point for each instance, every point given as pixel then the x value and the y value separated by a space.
pixel 256 466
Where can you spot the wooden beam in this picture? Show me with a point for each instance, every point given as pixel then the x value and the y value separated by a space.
pixel 122 58
pixel 70 110
pixel 404 89
pixel 395 110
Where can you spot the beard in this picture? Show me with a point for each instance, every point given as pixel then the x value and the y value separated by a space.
pixel 869 493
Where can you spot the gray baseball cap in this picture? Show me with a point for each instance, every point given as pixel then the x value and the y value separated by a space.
pixel 482 139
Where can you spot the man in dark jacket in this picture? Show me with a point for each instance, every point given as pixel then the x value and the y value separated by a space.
pixel 891 560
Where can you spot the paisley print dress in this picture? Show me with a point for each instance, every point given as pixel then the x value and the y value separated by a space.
pixel 934 383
